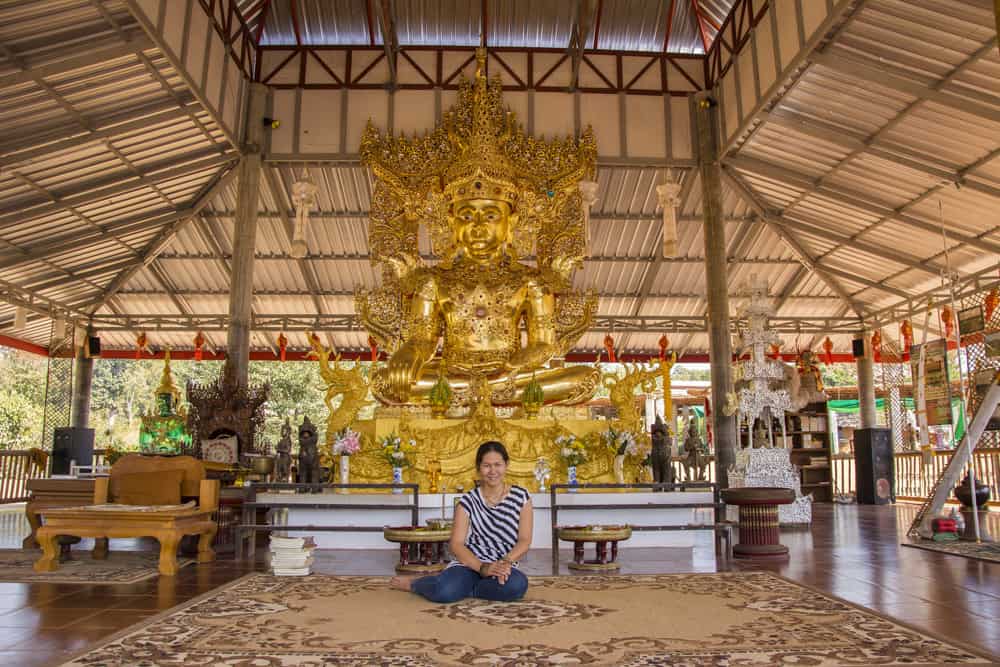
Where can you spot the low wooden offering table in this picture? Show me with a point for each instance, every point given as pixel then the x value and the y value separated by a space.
pixel 602 536
pixel 427 544
pixel 760 534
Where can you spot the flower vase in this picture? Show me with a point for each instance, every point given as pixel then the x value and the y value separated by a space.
pixel 345 472
pixel 571 479
pixel 619 468
pixel 397 478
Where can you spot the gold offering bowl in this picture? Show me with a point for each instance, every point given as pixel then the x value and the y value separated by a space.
pixel 262 465
pixel 440 524
pixel 595 533
pixel 419 534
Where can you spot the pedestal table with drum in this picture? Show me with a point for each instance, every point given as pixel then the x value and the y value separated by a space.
pixel 760 534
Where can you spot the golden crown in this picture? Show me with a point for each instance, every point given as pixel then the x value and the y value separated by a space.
pixel 479 134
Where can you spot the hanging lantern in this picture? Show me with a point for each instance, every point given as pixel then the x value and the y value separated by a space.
pixel 948 319
pixel 609 345
pixel 906 333
pixel 588 193
pixel 199 343
pixel 373 346
pixel 827 351
pixel 20 318
pixel 992 300
pixel 303 198
pixel 668 196
pixel 664 344
pixel 282 345
pixel 141 344
pixel 877 346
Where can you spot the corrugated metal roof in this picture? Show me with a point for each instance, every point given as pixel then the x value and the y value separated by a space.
pixel 622 25
pixel 857 175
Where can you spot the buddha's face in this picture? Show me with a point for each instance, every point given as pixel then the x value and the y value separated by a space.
pixel 481 227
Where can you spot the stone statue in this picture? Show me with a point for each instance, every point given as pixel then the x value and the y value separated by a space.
pixel 760 439
pixel 663 469
pixel 695 462
pixel 488 194
pixel 283 463
pixel 309 468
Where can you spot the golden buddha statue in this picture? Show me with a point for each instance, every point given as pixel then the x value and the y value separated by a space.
pixel 488 195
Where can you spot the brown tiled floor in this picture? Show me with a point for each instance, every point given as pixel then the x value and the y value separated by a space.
pixel 852 552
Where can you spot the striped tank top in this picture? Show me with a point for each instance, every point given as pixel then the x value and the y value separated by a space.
pixel 493 530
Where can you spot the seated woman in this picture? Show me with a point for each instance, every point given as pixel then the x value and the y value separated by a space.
pixel 492 530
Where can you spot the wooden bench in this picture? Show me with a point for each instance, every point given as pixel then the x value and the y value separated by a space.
pixel 167 526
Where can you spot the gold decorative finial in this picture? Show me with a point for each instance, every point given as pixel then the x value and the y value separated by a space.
pixel 167 386
pixel 480 63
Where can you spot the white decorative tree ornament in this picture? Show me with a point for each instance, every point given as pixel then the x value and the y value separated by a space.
pixel 303 199
pixel 668 196
pixel 588 191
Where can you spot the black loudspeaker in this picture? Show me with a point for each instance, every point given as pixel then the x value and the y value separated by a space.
pixel 93 346
pixel 874 475
pixel 858 348
pixel 72 444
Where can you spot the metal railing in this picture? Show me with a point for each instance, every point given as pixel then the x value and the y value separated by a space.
pixel 915 474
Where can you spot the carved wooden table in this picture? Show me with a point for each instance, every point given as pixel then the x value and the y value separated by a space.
pixel 47 493
pixel 760 534
pixel 602 536
pixel 420 549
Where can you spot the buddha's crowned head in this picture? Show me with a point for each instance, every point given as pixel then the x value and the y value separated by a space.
pixel 481 185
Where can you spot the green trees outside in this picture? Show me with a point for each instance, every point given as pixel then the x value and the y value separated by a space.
pixel 123 391
pixel 22 397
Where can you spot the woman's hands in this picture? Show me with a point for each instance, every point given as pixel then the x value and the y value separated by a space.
pixel 499 569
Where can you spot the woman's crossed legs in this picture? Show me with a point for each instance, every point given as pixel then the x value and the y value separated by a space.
pixel 458 582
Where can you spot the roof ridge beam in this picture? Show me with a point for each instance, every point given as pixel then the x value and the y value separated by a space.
pixel 791 241
pixel 882 76
pixel 158 244
pixel 849 197
pixel 117 183
pixel 31 73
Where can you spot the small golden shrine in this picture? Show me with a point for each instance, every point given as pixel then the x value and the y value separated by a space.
pixel 163 430
pixel 481 327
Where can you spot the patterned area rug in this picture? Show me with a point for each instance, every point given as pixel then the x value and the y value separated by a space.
pixel 988 551
pixel 121 567
pixel 690 619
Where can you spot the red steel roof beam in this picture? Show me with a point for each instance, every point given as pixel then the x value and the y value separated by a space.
pixel 295 21
pixel 670 26
pixel 705 41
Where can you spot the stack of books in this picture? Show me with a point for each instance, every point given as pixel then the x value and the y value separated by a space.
pixel 291 556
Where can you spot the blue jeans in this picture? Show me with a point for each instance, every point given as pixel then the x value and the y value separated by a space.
pixel 458 582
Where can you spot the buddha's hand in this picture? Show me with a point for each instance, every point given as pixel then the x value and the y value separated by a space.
pixel 401 372
pixel 530 357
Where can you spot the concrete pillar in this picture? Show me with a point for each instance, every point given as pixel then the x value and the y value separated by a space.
pixel 866 383
pixel 720 345
pixel 247 199
pixel 83 375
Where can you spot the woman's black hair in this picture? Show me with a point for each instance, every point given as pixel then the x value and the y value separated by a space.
pixel 491 446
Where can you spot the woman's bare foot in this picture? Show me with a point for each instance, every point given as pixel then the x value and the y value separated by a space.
pixel 404 582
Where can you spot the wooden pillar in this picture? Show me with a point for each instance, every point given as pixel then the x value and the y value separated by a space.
pixel 83 375
pixel 245 236
pixel 866 383
pixel 720 346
